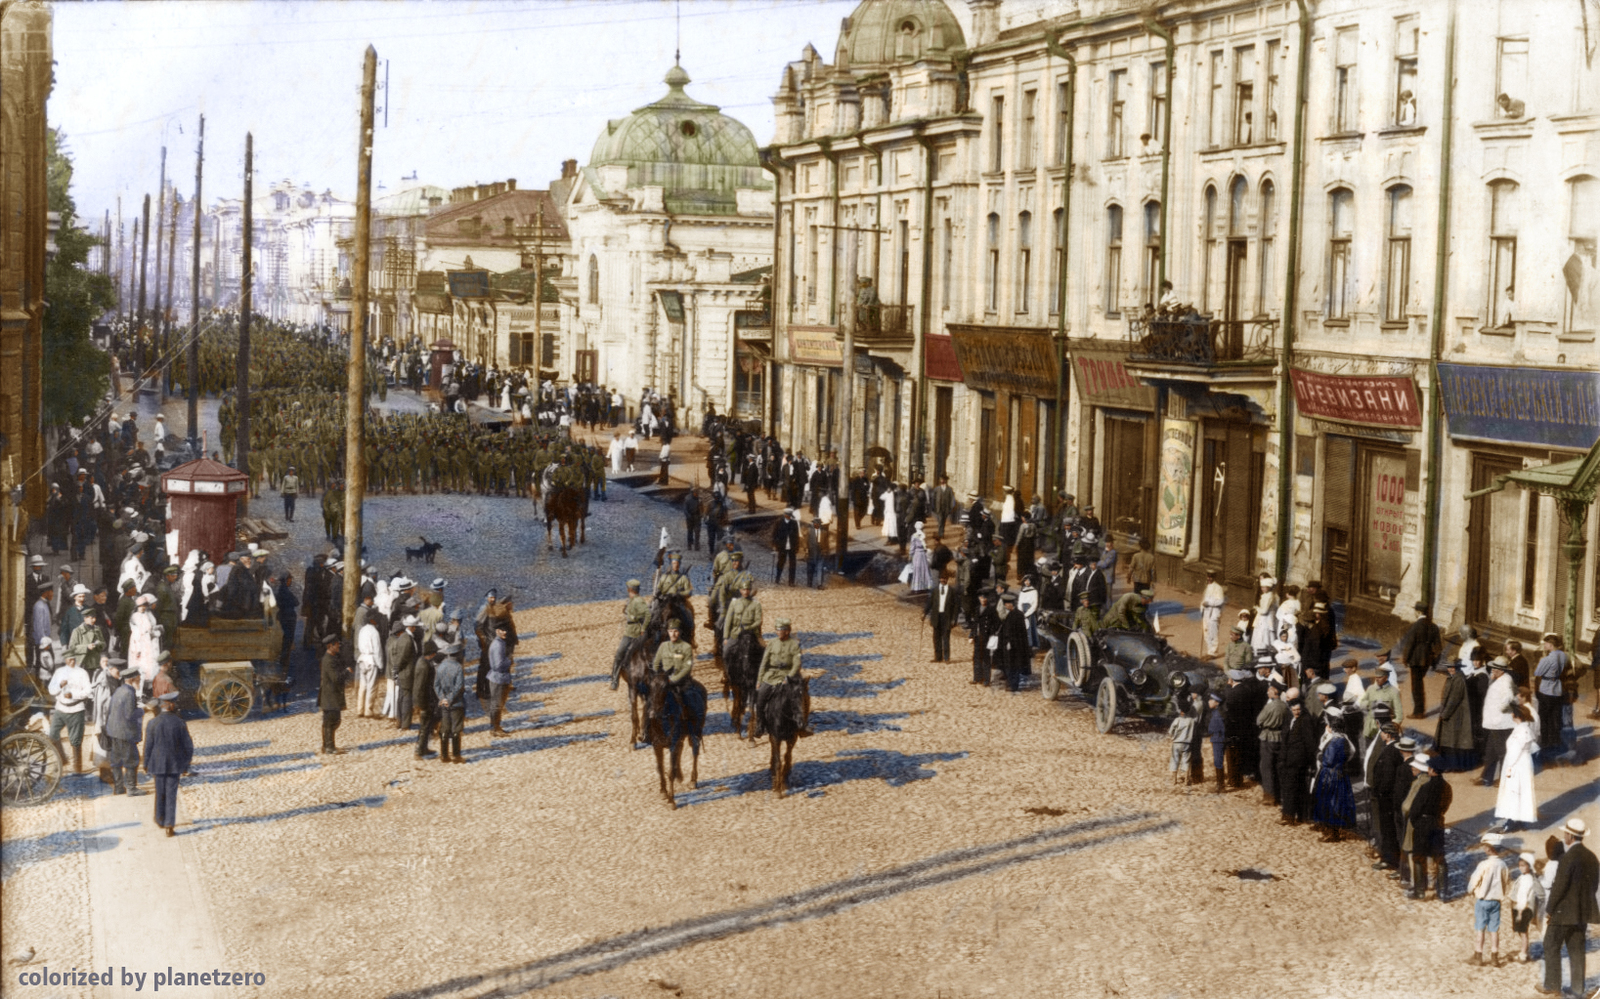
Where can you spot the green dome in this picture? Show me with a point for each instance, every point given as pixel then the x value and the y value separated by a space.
pixel 697 154
pixel 883 32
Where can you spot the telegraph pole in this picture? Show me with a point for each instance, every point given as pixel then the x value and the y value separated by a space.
pixel 156 310
pixel 192 383
pixel 122 300
pixel 166 317
pixel 355 459
pixel 241 376
pixel 144 258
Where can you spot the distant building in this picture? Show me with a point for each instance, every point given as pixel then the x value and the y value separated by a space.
pixel 665 286
pixel 399 221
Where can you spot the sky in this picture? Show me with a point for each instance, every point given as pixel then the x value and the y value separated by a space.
pixel 478 90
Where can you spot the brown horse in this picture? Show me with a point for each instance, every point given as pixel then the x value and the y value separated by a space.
pixel 636 673
pixel 741 663
pixel 495 612
pixel 568 506
pixel 672 715
pixel 778 709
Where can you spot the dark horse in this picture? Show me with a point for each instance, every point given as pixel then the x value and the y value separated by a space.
pixel 741 663
pixel 673 714
pixel 333 513
pixel 777 713
pixel 568 506
pixel 642 651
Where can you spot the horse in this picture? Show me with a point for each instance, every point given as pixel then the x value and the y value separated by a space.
pixel 568 505
pixel 741 664
pixel 663 612
pixel 777 712
pixel 671 716
pixel 333 513
pixel 426 553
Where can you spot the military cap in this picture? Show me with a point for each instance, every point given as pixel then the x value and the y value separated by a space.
pixel 736 557
pixel 781 623
pixel 171 695
pixel 634 584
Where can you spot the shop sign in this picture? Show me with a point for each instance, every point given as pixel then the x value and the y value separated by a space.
pixel 1386 518
pixel 1008 359
pixel 818 345
pixel 435 304
pixel 939 358
pixel 1177 479
pixel 1369 400
pixel 1522 405
pixel 469 284
pixel 1103 380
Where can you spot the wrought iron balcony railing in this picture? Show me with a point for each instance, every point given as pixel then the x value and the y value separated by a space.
pixel 1203 341
pixel 883 324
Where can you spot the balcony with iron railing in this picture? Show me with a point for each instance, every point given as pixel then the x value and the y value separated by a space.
pixel 880 325
pixel 1201 341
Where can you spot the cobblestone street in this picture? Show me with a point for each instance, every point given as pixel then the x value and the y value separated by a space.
pixel 939 840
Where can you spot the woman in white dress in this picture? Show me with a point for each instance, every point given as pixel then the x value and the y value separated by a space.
pixel 1265 630
pixel 1516 802
pixel 891 525
pixel 143 644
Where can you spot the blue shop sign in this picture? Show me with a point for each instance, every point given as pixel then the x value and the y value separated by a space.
pixel 1522 405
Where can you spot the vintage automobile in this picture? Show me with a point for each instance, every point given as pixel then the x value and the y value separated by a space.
pixel 1121 672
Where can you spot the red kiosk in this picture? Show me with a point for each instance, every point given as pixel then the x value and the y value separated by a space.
pixel 205 506
pixel 443 353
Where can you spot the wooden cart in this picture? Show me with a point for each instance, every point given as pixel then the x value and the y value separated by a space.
pixel 31 767
pixel 233 663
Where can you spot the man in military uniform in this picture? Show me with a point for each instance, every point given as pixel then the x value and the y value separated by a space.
pixel 724 558
pixel 289 489
pixel 780 663
pixel 1087 617
pixel 674 582
pixel 330 692
pixel 674 657
pixel 724 588
pixel 744 612
pixel 1128 613
pixel 635 615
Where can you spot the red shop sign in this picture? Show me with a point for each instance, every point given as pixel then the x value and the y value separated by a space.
pixel 1370 400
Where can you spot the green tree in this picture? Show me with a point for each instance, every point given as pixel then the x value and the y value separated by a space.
pixel 76 373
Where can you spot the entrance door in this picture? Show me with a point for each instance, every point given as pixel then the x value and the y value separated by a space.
pixel 1125 472
pixel 1230 491
pixel 1338 474
pixel 986 452
pixel 943 401
pixel 1493 533
pixel 871 399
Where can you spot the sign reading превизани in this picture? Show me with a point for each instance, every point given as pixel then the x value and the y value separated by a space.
pixel 137 980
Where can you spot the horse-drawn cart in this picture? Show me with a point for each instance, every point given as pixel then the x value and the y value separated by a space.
pixel 31 766
pixel 231 664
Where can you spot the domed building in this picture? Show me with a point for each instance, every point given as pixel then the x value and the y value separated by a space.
pixel 671 227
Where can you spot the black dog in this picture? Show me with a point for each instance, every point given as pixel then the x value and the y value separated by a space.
pixel 426 553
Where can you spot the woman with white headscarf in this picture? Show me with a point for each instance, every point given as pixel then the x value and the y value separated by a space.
pixel 143 644
pixel 921 575
pixel 891 523
pixel 1265 630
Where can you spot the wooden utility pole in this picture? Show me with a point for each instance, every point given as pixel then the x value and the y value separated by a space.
pixel 105 249
pixel 191 430
pixel 355 459
pixel 155 309
pixel 144 259
pixel 241 374
pixel 122 300
pixel 166 317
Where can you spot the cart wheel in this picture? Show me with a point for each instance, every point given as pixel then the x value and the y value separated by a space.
pixel 1105 705
pixel 30 768
pixel 228 700
pixel 1049 683
pixel 1078 658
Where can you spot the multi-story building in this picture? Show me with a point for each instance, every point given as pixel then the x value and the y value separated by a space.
pixel 399 221
pixel 671 228
pixel 1383 287
pixel 301 274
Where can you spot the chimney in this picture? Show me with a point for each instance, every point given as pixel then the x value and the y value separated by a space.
pixel 569 169
pixel 511 185
pixel 985 21
pixel 483 192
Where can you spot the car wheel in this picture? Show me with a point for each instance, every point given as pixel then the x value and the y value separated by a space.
pixel 1105 705
pixel 1078 659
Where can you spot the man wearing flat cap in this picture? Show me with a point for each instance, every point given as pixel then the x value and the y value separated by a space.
pixel 450 690
pixel 1013 655
pixel 168 754
pixel 122 727
pixel 330 692
pixel 785 545
pixel 985 637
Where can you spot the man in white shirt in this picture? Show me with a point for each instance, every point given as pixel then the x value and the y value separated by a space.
pixel 70 687
pixel 369 663
pixel 1497 720
pixel 1211 604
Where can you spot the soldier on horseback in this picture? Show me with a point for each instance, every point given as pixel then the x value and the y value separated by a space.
pixel 744 612
pixel 723 592
pixel 672 593
pixel 780 665
pixel 635 615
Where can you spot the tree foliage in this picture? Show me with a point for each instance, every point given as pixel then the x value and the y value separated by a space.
pixel 76 373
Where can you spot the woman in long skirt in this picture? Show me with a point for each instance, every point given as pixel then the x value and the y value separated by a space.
pixel 1333 803
pixel 1516 802
pixel 1265 628
pixel 921 577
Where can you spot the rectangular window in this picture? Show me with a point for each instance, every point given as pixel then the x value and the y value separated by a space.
pixel 1530 551
pixel 1269 231
pixel 811 255
pixel 903 233
pixel 1346 44
pixel 1024 260
pixel 1578 270
pixel 1244 95
pixel 1270 105
pixel 1511 79
pixel 997 124
pixel 1214 129
pixel 1113 262
pixel 1504 221
pixel 1116 89
pixel 948 266
pixel 1057 257
pixel 1152 252
pixel 1063 123
pixel 1397 283
pixel 1158 102
pixel 1405 71
pixel 1029 136
pixel 992 300
pixel 1340 273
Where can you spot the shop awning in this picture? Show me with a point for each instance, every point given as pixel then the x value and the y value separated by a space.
pixel 762 349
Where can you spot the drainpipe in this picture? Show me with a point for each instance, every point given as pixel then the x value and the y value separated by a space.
pixel 1430 525
pixel 1055 470
pixel 1290 306
pixel 773 162
pixel 919 351
pixel 1160 31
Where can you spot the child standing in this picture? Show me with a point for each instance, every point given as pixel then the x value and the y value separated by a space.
pixel 1182 733
pixel 1527 899
pixel 1218 737
pixel 1489 885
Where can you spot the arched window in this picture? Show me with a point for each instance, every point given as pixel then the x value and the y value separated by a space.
pixel 1266 275
pixel 1505 218
pixel 1208 236
pixel 1152 252
pixel 594 280
pixel 1024 259
pixel 1058 239
pixel 1582 281
pixel 1237 192
pixel 1397 263
pixel 1341 270
pixel 1113 260
pixel 993 297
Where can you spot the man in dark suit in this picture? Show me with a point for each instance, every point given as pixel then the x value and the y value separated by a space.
pixel 1390 779
pixel 168 753
pixel 1239 712
pixel 1013 655
pixel 1570 908
pixel 330 692
pixel 692 513
pixel 943 605
pixel 1425 828
pixel 785 545
pixel 1299 753
pixel 401 655
pixel 1419 649
pixel 985 626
